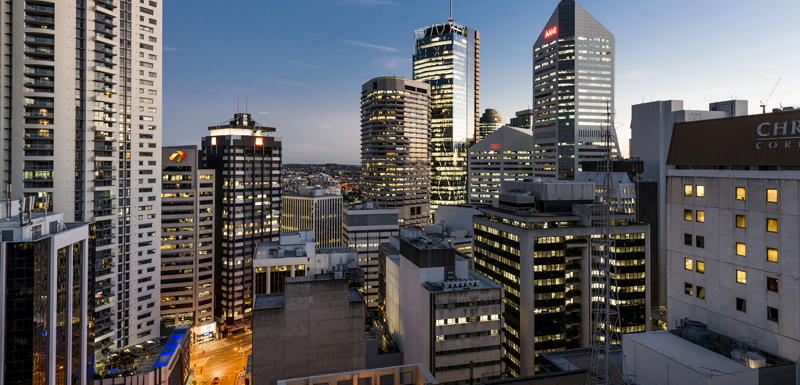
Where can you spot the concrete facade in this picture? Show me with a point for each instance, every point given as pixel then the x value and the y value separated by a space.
pixel 412 374
pixel 316 327
pixel 503 155
pixel 364 228
pixel 314 209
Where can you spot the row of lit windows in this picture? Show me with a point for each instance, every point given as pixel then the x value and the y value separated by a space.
pixel 741 192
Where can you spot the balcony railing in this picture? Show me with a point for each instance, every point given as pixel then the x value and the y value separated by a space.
pixel 38 71
pixel 31 39
pixel 106 21
pixel 40 19
pixel 107 2
pixel 38 82
pixel 41 8
pixel 41 104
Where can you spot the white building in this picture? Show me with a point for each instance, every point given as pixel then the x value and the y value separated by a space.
pixel 364 228
pixel 623 191
pixel 503 155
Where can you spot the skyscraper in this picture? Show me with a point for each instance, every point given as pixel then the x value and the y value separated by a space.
pixel 489 123
pixel 447 57
pixel 86 134
pixel 573 89
pixel 395 147
pixel 314 209
pixel 247 210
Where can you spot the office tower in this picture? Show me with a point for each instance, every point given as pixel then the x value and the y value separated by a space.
pixel 46 328
pixel 538 241
pixel 732 227
pixel 490 121
pixel 573 91
pixel 187 242
pixel 523 119
pixel 395 147
pixel 440 312
pixel 85 101
pixel 364 228
pixel 314 209
pixel 447 57
pixel 504 155
pixel 247 206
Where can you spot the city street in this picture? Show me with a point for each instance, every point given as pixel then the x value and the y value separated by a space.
pixel 222 358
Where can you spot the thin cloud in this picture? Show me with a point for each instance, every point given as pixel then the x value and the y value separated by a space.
pixel 165 48
pixel 367 45
pixel 296 84
pixel 390 62
pixel 301 64
pixel 636 74
pixel 263 112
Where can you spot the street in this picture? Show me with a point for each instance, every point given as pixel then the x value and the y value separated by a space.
pixel 222 358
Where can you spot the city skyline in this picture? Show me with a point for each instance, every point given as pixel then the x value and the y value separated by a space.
pixel 320 69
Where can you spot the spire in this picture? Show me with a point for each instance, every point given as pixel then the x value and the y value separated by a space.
pixel 237 99
pixel 451 12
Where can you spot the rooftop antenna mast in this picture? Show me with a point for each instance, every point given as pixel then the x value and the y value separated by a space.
pixel 246 101
pixel 451 12
pixel 237 99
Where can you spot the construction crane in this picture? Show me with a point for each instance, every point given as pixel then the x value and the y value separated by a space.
pixel 764 104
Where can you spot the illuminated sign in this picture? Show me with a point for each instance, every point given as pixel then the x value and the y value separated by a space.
pixel 495 145
pixel 177 156
pixel 550 32
pixel 259 141
pixel 213 140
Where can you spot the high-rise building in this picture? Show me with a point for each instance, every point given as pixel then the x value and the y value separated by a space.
pixel 573 91
pixel 447 57
pixel 504 155
pixel 187 242
pixel 86 110
pixel 523 119
pixel 46 297
pixel 364 228
pixel 247 210
pixel 314 209
pixel 395 146
pixel 489 123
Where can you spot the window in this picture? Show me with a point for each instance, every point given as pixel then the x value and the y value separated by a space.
pixel 701 267
pixel 687 288
pixel 701 191
pixel 741 277
pixel 772 225
pixel 741 305
pixel 772 195
pixel 687 239
pixel 687 215
pixel 772 314
pixel 772 284
pixel 701 216
pixel 772 254
pixel 741 249
pixel 701 242
pixel 687 190
pixel 740 221
pixel 740 193
pixel 701 292
pixel 687 264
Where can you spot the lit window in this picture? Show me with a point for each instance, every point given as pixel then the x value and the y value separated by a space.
pixel 701 292
pixel 772 225
pixel 772 314
pixel 772 284
pixel 687 215
pixel 701 216
pixel 741 277
pixel 701 191
pixel 741 305
pixel 740 221
pixel 687 190
pixel 741 249
pixel 772 255
pixel 772 195
pixel 740 193
pixel 687 263
pixel 687 288
pixel 701 267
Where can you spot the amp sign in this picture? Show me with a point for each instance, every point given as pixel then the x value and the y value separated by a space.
pixel 550 32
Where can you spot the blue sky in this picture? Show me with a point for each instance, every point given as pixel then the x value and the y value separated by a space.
pixel 304 61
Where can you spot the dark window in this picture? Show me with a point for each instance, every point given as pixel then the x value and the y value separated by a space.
pixel 772 314
pixel 687 239
pixel 741 305
pixel 687 288
pixel 701 242
pixel 701 292
pixel 772 284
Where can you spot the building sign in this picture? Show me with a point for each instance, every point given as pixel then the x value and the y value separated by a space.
pixel 550 32
pixel 773 135
pixel 177 156
pixel 495 145
pixel 259 141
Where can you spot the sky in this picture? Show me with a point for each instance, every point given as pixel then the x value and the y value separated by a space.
pixel 303 61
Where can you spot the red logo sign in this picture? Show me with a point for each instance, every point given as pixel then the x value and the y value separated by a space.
pixel 495 145
pixel 259 141
pixel 550 32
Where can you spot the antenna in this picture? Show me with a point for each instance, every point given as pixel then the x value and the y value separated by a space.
pixel 451 12
pixel 237 99
pixel 764 104
pixel 245 100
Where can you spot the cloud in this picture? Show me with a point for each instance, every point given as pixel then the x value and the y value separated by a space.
pixel 263 112
pixel 303 64
pixel 165 48
pixel 390 62
pixel 367 45
pixel 371 2
pixel 636 74
pixel 273 81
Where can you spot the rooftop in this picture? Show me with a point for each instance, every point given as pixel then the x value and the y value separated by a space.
pixel 693 356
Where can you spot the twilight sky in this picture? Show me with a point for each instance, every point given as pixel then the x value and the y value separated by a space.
pixel 304 61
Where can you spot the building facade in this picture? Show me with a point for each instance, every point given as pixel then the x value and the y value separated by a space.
pixel 490 121
pixel 94 87
pixel 314 209
pixel 523 119
pixel 187 242
pixel 447 57
pixel 395 146
pixel 364 228
pixel 47 327
pixel 504 155
pixel 573 92
pixel 732 218
pixel 247 205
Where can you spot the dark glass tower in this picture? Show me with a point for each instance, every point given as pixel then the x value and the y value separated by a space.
pixel 573 88
pixel 490 122
pixel 447 57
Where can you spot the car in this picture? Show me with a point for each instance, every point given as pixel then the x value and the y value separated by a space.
pixel 215 380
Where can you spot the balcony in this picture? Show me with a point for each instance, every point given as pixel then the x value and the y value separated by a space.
pixel 41 104
pixel 105 60
pixel 105 109
pixel 38 146
pixel 104 168
pixel 105 79
pixel 104 206
pixel 98 302
pixel 105 21
pixel 40 51
pixel 38 71
pixel 106 50
pixel 39 83
pixel 104 138
pixel 39 40
pixel 107 90
pixel 40 167
pixel 40 19
pixel 39 8
pixel 107 2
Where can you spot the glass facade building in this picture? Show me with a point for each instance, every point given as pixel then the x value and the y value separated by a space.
pixel 573 91
pixel 447 57
pixel 489 123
